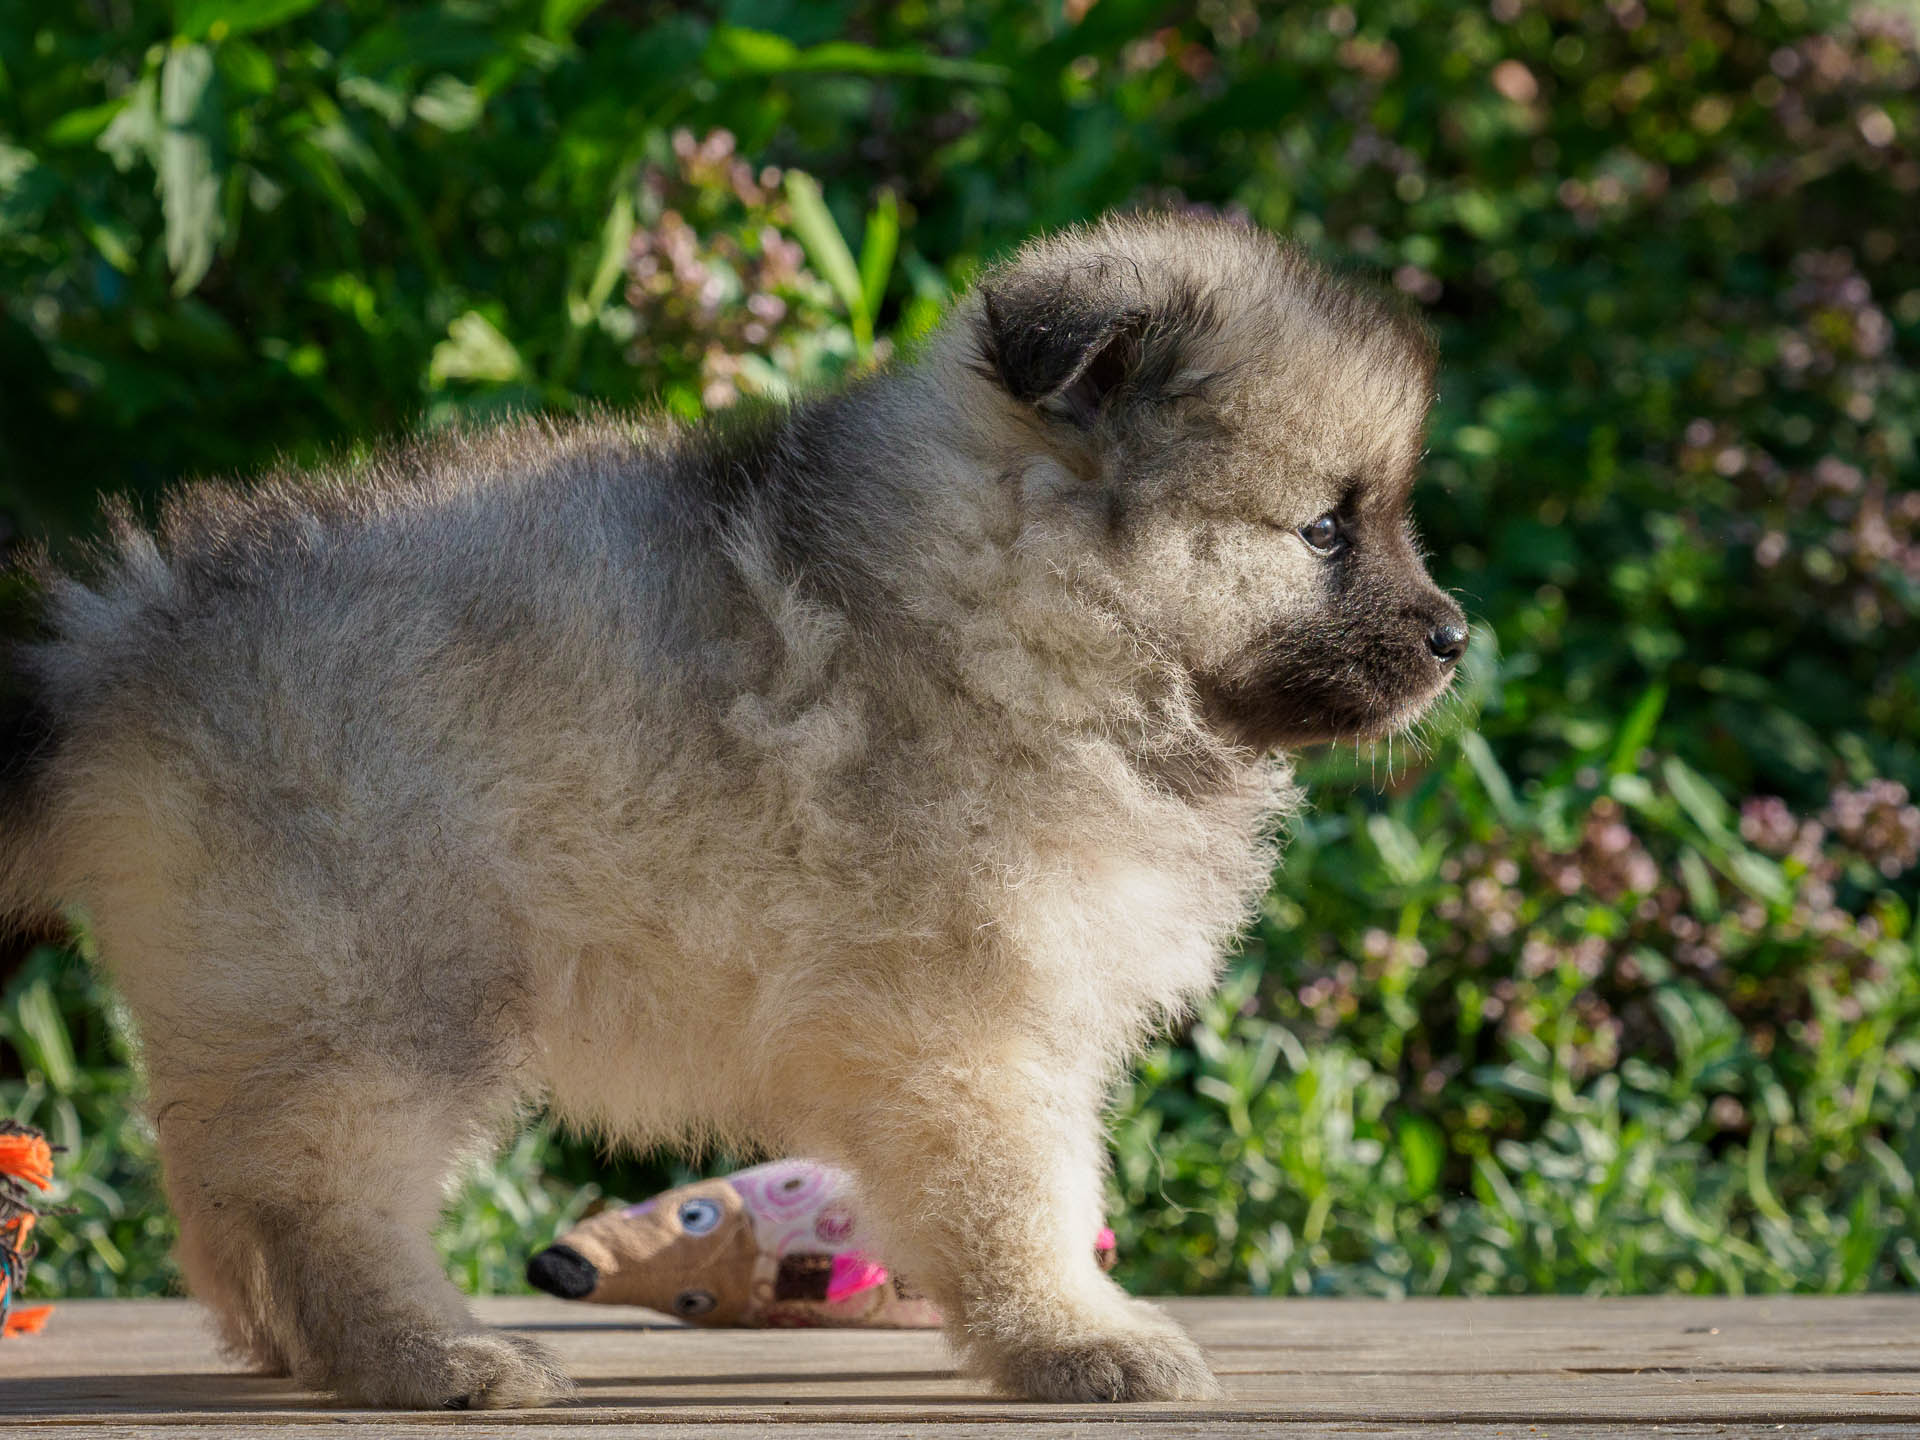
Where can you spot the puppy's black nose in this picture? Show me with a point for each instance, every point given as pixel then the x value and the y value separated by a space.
pixel 1448 642
pixel 562 1270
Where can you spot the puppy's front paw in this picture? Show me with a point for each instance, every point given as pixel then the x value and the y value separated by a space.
pixel 1145 1364
pixel 482 1370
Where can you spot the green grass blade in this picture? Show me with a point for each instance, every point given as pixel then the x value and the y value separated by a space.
pixel 877 249
pixel 828 249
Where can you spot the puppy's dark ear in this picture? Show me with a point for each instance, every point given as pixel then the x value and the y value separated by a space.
pixel 1063 343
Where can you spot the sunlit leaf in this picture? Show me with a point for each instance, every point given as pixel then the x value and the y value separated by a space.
pixel 1493 779
pixel 559 18
pixel 449 104
pixel 1637 730
pixel 474 350
pixel 1422 1153
pixel 43 1035
pixel 189 162
pixel 735 51
pixel 877 248
pixel 1698 798
pixel 84 126
pixel 133 134
pixel 827 248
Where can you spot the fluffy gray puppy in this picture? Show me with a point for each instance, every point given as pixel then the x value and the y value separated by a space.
pixel 865 780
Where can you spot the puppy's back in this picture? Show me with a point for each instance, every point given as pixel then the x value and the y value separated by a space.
pixel 441 612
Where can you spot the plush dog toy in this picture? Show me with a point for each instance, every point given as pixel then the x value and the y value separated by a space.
pixel 777 1244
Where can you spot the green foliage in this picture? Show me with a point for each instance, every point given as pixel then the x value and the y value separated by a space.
pixel 1641 1055
pixel 509 1208
pixel 1613 991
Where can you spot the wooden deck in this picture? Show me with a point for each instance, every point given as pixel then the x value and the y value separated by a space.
pixel 1466 1369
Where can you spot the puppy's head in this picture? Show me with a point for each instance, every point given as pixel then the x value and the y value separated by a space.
pixel 1234 431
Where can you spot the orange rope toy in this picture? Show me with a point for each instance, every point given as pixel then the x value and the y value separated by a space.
pixel 25 1159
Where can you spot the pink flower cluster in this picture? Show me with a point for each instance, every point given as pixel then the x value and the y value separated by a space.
pixel 713 274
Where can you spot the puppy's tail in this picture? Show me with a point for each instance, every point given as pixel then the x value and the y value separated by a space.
pixel 29 740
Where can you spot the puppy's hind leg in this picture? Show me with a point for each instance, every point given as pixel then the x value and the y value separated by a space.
pixel 221 1267
pixel 311 1102
pixel 310 1198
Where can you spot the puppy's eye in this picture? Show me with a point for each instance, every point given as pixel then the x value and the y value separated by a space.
pixel 691 1303
pixel 697 1217
pixel 1322 534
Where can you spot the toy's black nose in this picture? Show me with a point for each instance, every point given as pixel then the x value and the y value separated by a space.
pixel 562 1270
pixel 1447 642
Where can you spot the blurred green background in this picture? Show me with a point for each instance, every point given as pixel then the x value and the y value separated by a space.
pixel 1614 987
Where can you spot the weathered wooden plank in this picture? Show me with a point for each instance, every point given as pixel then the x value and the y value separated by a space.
pixel 1613 1366
pixel 514 1428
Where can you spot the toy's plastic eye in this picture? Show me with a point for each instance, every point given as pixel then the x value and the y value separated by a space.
pixel 697 1217
pixel 690 1304
pixel 1322 534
